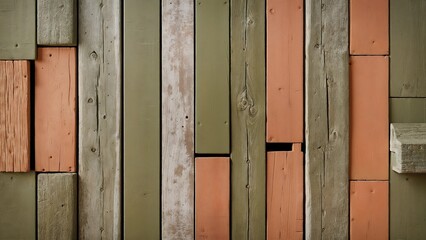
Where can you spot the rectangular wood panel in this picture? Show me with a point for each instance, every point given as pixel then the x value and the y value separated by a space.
pixel 15 116
pixel 212 198
pixel 407 110
pixel 284 106
pixel 212 77
pixel 55 106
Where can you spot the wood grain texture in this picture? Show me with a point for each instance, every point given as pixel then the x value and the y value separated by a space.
pixel 369 210
pixel 212 198
pixel 369 27
pixel 15 116
pixel 248 158
pixel 408 74
pixel 55 106
pixel 57 206
pixel 178 119
pixel 284 98
pixel 142 124
pixel 285 195
pixel 212 77
pixel 57 22
pixel 369 118
pixel 18 29
pixel 99 74
pixel 327 120
pixel 407 110
pixel 18 206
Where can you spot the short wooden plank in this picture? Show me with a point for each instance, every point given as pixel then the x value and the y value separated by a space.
pixel 212 77
pixel 369 27
pixel 212 198
pixel 407 37
pixel 407 110
pixel 99 94
pixel 327 119
pixel 284 85
pixel 285 195
pixel 369 210
pixel 18 206
pixel 369 118
pixel 18 29
pixel 57 206
pixel 15 116
pixel 55 106
pixel 178 119
pixel 142 124
pixel 248 135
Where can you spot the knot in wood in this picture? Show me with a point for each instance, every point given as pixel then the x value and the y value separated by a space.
pixel 253 111
pixel 243 104
pixel 94 55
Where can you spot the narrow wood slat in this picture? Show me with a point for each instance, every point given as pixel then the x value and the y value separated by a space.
pixel 284 71
pixel 212 198
pixel 55 106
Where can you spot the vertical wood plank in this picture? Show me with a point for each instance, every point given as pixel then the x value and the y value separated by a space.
pixel 327 119
pixel 99 65
pixel 142 109
pixel 15 116
pixel 248 172
pixel 212 198
pixel 57 206
pixel 284 106
pixel 55 117
pixel 407 110
pixel 178 119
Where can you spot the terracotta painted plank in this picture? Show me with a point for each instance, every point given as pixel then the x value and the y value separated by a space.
pixel 284 104
pixel 212 198
pixel 369 27
pixel 408 110
pixel 15 116
pixel 285 195
pixel 55 106
pixel 369 130
pixel 178 119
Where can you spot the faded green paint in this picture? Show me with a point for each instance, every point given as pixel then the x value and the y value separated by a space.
pixel 18 206
pixel 17 29
pixel 406 110
pixel 142 119
pixel 212 77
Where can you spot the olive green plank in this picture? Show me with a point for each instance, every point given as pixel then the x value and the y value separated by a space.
pixel 248 166
pixel 407 110
pixel 142 119
pixel 18 206
pixel 408 48
pixel 212 77
pixel 17 29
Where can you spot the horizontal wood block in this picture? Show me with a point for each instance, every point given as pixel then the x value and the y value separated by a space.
pixel 212 198
pixel 369 27
pixel 15 116
pixel 369 210
pixel 285 195
pixel 55 106
pixel 369 129
pixel 18 206
pixel 407 110
pixel 57 22
pixel 284 100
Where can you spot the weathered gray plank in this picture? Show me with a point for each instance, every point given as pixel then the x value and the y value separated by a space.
pixel 57 206
pixel 212 77
pixel 18 29
pixel 406 110
pixel 178 119
pixel 142 108
pixel 57 22
pixel 327 119
pixel 99 119
pixel 248 181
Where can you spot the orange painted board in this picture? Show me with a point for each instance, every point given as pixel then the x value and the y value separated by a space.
pixel 55 110
pixel 369 27
pixel 369 118
pixel 284 85
pixel 285 195
pixel 14 116
pixel 369 210
pixel 212 198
